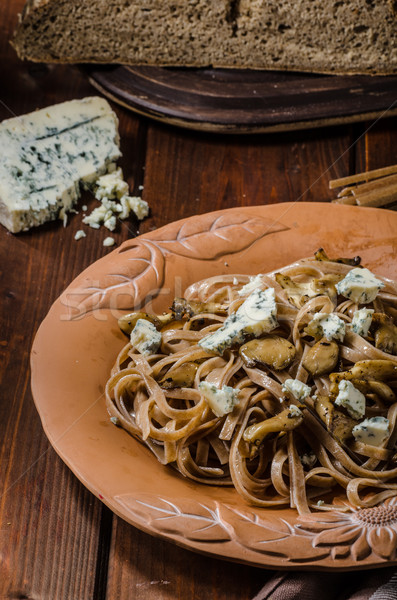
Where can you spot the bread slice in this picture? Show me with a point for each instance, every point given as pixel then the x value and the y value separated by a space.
pixel 326 36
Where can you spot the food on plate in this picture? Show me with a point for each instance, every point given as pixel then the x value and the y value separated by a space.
pixel 326 36
pixel 47 156
pixel 246 377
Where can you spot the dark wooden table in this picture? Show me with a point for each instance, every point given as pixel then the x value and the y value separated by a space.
pixel 57 541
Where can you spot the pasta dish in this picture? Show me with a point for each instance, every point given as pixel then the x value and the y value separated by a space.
pixel 280 384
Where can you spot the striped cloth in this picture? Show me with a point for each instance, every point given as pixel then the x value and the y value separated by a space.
pixel 379 584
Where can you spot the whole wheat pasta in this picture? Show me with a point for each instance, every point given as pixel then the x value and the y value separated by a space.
pixel 276 446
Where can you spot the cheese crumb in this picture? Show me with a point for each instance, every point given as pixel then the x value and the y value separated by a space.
pixel 297 388
pixel 109 241
pixel 112 192
pixel 373 431
pixel 351 398
pixel 326 325
pixel 362 320
pixel 253 284
pixel 255 316
pixel 360 285
pixel 145 338
pixel 294 411
pixel 80 234
pixel 221 401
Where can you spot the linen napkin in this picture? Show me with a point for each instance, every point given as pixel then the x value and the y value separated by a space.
pixel 380 584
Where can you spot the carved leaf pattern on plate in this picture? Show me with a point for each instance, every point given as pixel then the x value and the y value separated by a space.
pixel 188 519
pixel 337 534
pixel 141 275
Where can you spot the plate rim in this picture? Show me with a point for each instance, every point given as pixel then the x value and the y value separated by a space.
pixel 197 546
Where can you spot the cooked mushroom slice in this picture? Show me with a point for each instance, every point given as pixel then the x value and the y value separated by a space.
pixel 326 286
pixel 286 420
pixel 322 357
pixel 380 370
pixel 341 426
pixel 272 351
pixel 338 424
pixel 298 293
pixel 325 409
pixel 374 370
pixel 386 337
pixel 128 322
pixel 182 376
pixel 322 256
pixel 182 307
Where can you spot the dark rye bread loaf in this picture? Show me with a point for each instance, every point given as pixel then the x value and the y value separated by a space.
pixel 325 36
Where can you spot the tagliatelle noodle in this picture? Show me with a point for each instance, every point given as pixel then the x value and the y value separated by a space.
pixel 179 427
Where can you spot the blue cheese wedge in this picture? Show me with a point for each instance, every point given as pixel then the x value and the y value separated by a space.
pixel 326 325
pixel 47 155
pixel 145 338
pixel 373 431
pixel 297 388
pixel 257 315
pixel 221 401
pixel 361 321
pixel 360 285
pixel 351 398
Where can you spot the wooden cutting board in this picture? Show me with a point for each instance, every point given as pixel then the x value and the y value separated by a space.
pixel 243 101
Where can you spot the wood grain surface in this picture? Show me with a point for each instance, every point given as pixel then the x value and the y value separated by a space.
pixel 57 541
pixel 245 101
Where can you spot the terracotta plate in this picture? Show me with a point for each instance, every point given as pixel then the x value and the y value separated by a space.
pixel 77 343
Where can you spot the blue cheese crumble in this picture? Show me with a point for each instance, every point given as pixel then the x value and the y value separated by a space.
pixel 253 283
pixel 360 285
pixel 351 398
pixel 112 192
pixel 326 325
pixel 294 411
pixel 109 241
pixel 221 401
pixel 297 388
pixel 308 459
pixel 79 234
pixel 362 320
pixel 145 338
pixel 373 431
pixel 257 315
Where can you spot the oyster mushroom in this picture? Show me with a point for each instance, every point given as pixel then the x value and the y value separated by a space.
pixel 298 293
pixel 128 322
pixel 325 409
pixel 321 255
pixel 182 376
pixel 385 334
pixel 286 420
pixel 376 370
pixel 272 351
pixel 339 425
pixel 188 308
pixel 322 357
